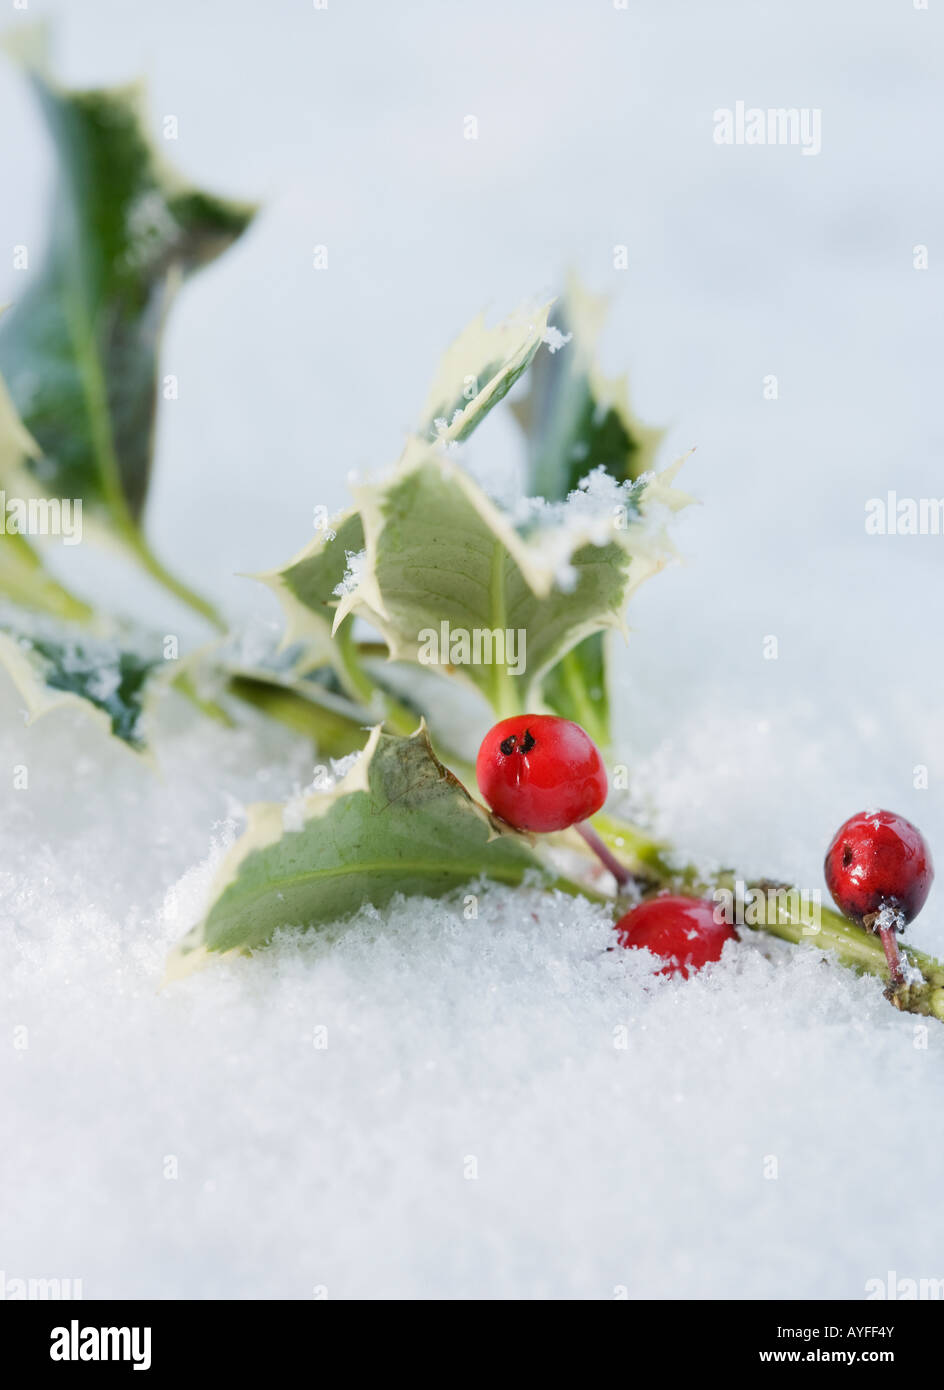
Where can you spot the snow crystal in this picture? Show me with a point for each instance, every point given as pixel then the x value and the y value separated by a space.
pixel 151 229
pixel 889 919
pixel 589 514
pixel 325 779
pixel 353 574
pixel 593 502
pixel 103 683
pixel 555 339
pixel 256 644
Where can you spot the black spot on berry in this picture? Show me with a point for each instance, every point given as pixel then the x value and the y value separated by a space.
pixel 846 856
pixel 507 745
pixel 528 742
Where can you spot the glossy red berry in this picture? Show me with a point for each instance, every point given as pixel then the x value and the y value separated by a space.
pixel 682 931
pixel 876 860
pixel 540 772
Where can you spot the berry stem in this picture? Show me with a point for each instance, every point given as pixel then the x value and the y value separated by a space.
pixel 604 854
pixel 896 976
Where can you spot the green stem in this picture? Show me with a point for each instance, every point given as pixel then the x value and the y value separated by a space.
pixel 586 709
pixel 61 604
pixel 647 858
pixel 396 716
pixel 506 690
pixel 184 685
pixel 149 562
pixel 794 918
pixel 578 890
pixel 92 375
pixel 334 733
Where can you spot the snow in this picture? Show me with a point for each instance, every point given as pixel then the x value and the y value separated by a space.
pixel 597 507
pixel 353 574
pixel 623 1129
pixel 555 339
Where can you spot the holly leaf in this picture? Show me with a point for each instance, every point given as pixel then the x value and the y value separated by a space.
pixel 453 582
pixel 52 666
pixel 576 420
pixel 475 373
pixel 80 349
pixel 24 578
pixel 576 687
pixel 25 581
pixel 398 822
pixel 478 370
pixel 427 548
pixel 306 588
pixel 335 727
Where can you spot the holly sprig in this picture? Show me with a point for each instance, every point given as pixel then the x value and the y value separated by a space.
pixel 423 551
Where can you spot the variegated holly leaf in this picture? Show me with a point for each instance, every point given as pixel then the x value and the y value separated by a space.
pixel 575 420
pixel 79 350
pixel 24 578
pixel 478 370
pixel 334 725
pixel 25 581
pixel 307 588
pixel 398 822
pixel 451 581
pixel 52 665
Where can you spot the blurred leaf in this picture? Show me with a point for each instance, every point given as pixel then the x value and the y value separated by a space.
pixel 478 370
pixel 576 420
pixel 333 735
pixel 25 580
pixel 334 724
pixel 80 349
pixel 398 822
pixel 576 687
pixel 54 666
pixel 23 577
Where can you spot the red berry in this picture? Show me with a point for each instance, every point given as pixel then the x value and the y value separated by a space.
pixel 539 772
pixel 876 860
pixel 683 931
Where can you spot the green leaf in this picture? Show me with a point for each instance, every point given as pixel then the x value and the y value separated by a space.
pixel 398 822
pixel 576 687
pixel 23 577
pixel 439 551
pixel 25 580
pixel 80 349
pixel 309 702
pixel 478 370
pixel 54 666
pixel 335 728
pixel 576 420
pixel 306 586
pixel 475 373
